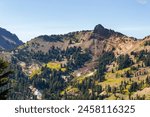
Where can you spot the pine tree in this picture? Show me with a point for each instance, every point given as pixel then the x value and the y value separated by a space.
pixel 148 80
pixel 134 87
pixel 4 79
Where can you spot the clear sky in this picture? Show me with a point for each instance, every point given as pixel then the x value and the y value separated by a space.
pixel 31 18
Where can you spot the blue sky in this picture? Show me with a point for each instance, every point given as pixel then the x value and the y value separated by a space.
pixel 31 18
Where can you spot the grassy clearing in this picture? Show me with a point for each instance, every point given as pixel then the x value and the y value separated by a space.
pixel 71 90
pixel 55 66
pixel 111 82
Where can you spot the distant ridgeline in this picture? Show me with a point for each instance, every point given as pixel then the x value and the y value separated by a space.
pixel 8 41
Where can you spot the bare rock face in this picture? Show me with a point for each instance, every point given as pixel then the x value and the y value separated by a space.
pixel 103 33
pixel 99 29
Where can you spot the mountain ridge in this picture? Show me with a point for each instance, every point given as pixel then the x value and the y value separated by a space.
pixel 90 64
pixel 8 41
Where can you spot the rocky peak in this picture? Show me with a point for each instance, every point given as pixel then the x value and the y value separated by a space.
pixel 103 33
pixel 99 29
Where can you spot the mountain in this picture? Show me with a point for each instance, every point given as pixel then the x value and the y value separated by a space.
pixel 90 64
pixel 8 41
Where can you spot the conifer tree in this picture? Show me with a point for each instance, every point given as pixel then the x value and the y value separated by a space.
pixel 4 79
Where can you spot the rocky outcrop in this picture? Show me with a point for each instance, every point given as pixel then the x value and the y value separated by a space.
pixel 102 33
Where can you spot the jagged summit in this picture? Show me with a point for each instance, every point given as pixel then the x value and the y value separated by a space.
pixel 102 32
pixel 98 28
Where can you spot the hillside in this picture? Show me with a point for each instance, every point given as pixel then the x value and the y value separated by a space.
pixel 8 41
pixel 90 64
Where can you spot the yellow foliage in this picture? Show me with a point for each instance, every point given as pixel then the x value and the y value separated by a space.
pixel 70 89
pixel 55 66
pixel 112 81
pixel 80 79
pixel 63 69
pixel 35 72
